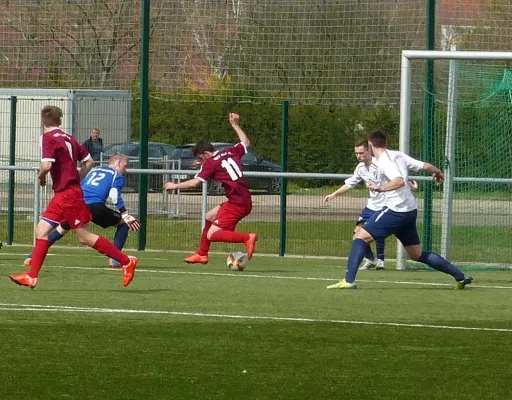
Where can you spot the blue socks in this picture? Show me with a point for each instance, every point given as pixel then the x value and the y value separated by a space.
pixel 437 262
pixel 379 245
pixel 369 253
pixel 121 236
pixel 54 236
pixel 357 252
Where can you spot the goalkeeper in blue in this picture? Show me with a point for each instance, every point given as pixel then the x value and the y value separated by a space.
pixel 398 217
pixel 100 184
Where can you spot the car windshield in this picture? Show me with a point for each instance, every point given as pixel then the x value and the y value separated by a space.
pixel 155 151
pixel 251 156
pixel 182 152
pixel 168 148
pixel 128 149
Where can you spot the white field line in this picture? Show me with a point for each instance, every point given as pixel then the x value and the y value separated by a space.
pixel 287 256
pixel 300 278
pixel 39 308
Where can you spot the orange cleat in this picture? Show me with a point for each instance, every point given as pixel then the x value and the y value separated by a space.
pixel 250 244
pixel 24 280
pixel 196 259
pixel 27 262
pixel 129 270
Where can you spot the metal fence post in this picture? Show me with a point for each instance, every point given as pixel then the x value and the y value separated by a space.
pixel 283 181
pixel 12 177
pixel 144 123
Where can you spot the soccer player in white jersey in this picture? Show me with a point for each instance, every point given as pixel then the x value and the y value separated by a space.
pixel 366 171
pixel 398 217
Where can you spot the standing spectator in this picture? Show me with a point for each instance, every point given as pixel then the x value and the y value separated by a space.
pixel 94 145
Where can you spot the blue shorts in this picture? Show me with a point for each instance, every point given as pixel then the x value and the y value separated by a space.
pixel 365 215
pixel 386 222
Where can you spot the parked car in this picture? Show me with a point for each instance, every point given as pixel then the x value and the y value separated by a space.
pixel 158 156
pixel 251 162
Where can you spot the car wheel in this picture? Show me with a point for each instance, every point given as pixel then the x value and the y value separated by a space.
pixel 274 186
pixel 215 188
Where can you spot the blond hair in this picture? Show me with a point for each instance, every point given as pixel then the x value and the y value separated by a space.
pixel 117 157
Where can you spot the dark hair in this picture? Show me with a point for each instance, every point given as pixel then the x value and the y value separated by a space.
pixel 51 116
pixel 362 142
pixel 378 138
pixel 201 147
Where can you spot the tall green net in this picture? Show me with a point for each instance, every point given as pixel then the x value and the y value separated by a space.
pixel 472 117
pixel 306 51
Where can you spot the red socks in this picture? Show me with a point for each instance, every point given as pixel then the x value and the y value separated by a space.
pixel 229 237
pixel 204 244
pixel 38 257
pixel 105 247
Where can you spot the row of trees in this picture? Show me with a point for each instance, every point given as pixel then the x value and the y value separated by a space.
pixel 333 51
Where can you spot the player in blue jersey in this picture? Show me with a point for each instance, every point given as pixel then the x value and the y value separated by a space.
pixel 98 185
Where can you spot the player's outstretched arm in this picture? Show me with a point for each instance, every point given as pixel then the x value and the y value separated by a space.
pixel 437 175
pixel 234 120
pixel 341 190
pixel 191 183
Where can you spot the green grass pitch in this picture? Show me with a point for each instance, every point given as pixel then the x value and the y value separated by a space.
pixel 270 332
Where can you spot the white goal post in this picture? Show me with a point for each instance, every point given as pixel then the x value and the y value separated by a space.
pixel 405 123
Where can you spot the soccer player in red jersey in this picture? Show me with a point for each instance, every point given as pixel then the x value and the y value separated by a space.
pixel 60 154
pixel 225 166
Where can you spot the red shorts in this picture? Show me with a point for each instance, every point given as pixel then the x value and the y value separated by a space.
pixel 230 214
pixel 69 206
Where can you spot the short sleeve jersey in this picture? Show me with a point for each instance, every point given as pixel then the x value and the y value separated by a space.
pixel 393 164
pixel 102 183
pixel 63 151
pixel 225 166
pixel 368 175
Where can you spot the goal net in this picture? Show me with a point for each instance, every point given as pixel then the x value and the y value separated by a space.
pixel 470 217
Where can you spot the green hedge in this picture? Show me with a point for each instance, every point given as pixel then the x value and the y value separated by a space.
pixel 321 138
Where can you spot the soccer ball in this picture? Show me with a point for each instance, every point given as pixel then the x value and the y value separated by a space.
pixel 236 261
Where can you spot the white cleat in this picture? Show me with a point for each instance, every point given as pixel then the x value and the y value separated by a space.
pixel 368 264
pixel 379 265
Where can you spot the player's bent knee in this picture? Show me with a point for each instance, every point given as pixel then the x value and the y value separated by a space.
pixel 362 234
pixel 414 252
